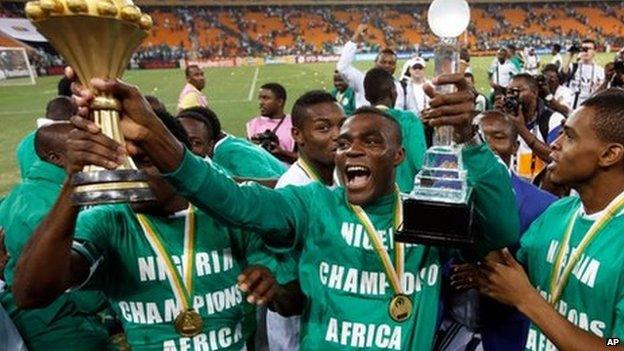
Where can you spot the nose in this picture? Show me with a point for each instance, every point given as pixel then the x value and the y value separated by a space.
pixel 355 150
pixel 556 145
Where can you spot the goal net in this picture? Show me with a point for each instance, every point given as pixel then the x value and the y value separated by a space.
pixel 15 68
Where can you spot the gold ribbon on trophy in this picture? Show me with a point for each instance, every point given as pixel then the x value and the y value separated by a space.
pixel 97 39
pixel 400 306
pixel 188 323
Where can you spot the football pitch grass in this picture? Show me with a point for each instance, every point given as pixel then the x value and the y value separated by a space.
pixel 231 92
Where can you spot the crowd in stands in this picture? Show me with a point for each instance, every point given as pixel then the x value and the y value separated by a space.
pixel 279 30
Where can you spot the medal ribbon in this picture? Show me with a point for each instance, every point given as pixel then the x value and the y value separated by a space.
pixel 557 281
pixel 395 273
pixel 308 169
pixel 182 285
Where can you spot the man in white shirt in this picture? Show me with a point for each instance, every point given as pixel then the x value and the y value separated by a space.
pixel 501 71
pixel 556 96
pixel 386 59
pixel 316 124
pixel 556 53
pixel 414 81
pixel 532 63
pixel 585 76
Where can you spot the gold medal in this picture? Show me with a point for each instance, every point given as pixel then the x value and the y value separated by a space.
pixel 189 323
pixel 400 308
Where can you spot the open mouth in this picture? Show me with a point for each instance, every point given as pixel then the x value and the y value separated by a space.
pixel 357 176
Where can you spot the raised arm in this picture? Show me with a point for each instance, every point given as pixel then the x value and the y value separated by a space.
pixel 353 76
pixel 252 206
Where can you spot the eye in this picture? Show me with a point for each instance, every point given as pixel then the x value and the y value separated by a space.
pixel 342 145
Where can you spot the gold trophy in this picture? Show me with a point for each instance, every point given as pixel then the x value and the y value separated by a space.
pixel 97 39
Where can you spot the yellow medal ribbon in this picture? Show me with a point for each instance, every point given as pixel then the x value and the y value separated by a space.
pixel 309 170
pixel 558 281
pixel 182 285
pixel 395 273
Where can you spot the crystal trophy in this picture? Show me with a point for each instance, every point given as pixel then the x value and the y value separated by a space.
pixel 439 209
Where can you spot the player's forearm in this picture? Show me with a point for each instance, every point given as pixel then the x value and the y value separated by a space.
pixel 565 335
pixel 559 107
pixel 219 195
pixel 289 300
pixel 494 200
pixel 44 269
pixel 347 56
pixel 539 148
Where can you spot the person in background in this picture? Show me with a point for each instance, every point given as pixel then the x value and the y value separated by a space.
pixel 532 62
pixel 556 60
pixel 386 59
pixel 501 71
pixel 515 57
pixel 59 109
pixel 555 95
pixel 191 95
pixel 271 129
pixel 538 126
pixel 414 82
pixel 70 321
pixel 583 75
pixel 481 102
pixel 380 91
pixel 343 93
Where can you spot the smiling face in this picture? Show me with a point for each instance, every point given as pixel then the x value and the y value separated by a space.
pixel 317 136
pixel 369 149
pixel 576 152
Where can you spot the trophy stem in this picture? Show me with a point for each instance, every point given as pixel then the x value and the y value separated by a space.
pixel 96 185
pixel 446 61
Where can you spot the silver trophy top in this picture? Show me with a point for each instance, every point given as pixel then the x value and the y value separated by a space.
pixel 448 18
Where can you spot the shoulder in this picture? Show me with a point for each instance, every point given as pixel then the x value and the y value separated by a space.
pixel 562 207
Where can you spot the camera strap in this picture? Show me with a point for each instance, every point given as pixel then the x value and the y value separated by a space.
pixel 278 125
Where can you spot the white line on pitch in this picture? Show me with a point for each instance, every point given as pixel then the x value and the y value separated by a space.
pixel 253 84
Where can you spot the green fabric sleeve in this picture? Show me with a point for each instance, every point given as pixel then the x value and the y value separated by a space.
pixel 496 215
pixel 618 328
pixel 416 140
pixel 93 227
pixel 277 215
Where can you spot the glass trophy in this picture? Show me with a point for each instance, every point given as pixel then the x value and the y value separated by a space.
pixel 439 209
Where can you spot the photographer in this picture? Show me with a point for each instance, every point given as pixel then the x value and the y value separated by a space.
pixel 556 96
pixel 583 75
pixel 538 125
pixel 271 129
pixel 501 71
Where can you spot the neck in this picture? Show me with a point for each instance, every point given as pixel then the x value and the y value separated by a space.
pixel 325 171
pixel 418 80
pixel 385 102
pixel 587 61
pixel 277 115
pixel 600 191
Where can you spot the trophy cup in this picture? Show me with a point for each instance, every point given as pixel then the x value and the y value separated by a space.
pixel 97 39
pixel 439 209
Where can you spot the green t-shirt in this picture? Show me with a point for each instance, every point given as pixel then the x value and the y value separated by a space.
pixel 244 159
pixel 517 62
pixel 346 100
pixel 134 281
pixel 347 290
pixel 70 322
pixel 593 298
pixel 415 147
pixel 26 154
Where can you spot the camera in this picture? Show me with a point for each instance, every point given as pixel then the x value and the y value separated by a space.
pixel 511 104
pixel 575 48
pixel 265 139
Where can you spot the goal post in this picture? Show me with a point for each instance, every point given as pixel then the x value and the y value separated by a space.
pixel 15 67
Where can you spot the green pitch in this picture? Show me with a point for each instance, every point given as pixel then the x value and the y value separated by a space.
pixel 231 93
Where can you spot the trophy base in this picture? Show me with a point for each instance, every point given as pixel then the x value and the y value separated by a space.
pixel 107 187
pixel 437 223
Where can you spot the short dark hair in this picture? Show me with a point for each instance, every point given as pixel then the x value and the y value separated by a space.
pixel 609 118
pixel 277 89
pixel 551 67
pixel 468 75
pixel 386 51
pixel 511 47
pixel 378 84
pixel 300 108
pixel 61 108
pixel 557 47
pixel 369 110
pixel 204 115
pixel 187 71
pixel 529 80
pixel 589 40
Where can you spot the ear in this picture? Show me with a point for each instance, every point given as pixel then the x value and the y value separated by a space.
pixel 612 154
pixel 399 156
pixel 297 135
pixel 55 158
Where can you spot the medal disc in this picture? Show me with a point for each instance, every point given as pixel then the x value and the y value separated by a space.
pixel 189 323
pixel 400 308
